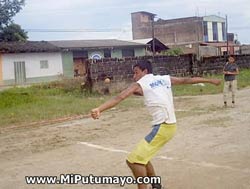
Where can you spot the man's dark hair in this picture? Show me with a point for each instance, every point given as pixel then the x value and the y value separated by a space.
pixel 144 64
pixel 231 56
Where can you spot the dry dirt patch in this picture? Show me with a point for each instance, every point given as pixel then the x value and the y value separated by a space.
pixel 210 150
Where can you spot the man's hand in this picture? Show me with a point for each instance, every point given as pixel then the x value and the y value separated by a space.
pixel 95 113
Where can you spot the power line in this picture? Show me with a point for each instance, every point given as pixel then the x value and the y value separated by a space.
pixel 240 27
pixel 77 30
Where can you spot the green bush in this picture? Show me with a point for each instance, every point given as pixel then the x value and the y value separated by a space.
pixel 173 52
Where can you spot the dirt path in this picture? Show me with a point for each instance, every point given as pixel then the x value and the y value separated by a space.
pixel 210 150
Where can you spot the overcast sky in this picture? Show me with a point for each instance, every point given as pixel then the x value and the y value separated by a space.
pixel 111 19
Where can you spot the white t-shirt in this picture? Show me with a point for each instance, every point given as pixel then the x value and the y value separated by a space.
pixel 158 98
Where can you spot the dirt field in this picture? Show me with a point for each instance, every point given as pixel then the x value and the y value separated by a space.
pixel 211 149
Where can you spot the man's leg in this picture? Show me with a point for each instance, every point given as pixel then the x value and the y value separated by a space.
pixel 151 173
pixel 234 88
pixel 138 170
pixel 139 159
pixel 225 91
pixel 150 170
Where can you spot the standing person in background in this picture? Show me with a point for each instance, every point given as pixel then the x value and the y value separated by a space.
pixel 157 92
pixel 230 71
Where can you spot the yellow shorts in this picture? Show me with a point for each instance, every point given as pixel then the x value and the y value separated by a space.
pixel 152 143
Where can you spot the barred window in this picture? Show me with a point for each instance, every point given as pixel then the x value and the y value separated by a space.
pixel 215 31
pixel 128 53
pixel 44 64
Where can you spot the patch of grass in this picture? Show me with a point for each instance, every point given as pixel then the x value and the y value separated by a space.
pixel 16 97
pixel 181 90
pixel 244 78
pixel 44 102
pixel 68 97
pixel 46 108
pixel 206 88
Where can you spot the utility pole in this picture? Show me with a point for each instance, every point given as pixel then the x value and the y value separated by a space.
pixel 227 35
pixel 153 34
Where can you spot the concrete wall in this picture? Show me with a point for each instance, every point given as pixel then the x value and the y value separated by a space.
pixel 182 31
pixel 206 51
pixel 141 25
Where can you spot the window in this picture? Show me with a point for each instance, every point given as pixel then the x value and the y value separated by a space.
pixel 107 53
pixel 224 35
pixel 44 64
pixel 80 54
pixel 215 31
pixel 205 32
pixel 128 53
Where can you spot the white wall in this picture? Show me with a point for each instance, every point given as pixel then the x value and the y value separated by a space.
pixel 32 64
pixel 220 36
pixel 210 31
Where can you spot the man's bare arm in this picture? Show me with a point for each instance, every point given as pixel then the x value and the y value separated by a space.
pixel 96 112
pixel 193 80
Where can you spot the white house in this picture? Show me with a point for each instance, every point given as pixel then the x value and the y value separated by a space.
pixel 32 62
pixel 41 61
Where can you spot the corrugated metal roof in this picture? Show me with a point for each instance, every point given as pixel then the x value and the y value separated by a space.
pixel 101 43
pixel 143 41
pixel 159 46
pixel 27 46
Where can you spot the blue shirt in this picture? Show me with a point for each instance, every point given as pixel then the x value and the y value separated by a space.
pixel 230 67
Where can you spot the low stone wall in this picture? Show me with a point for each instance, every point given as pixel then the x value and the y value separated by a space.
pixel 214 65
pixel 120 73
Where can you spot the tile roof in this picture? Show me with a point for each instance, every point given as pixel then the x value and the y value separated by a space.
pixel 27 46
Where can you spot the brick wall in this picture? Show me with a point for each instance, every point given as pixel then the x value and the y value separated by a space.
pixel 120 70
pixel 214 65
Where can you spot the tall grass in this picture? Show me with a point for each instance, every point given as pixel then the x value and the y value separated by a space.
pixel 45 102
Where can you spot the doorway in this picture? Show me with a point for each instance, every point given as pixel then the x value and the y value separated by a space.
pixel 20 72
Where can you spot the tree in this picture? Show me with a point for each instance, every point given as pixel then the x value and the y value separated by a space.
pixel 8 9
pixel 13 32
pixel 10 31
